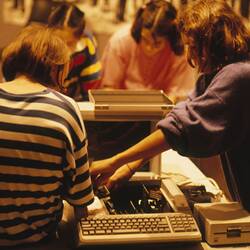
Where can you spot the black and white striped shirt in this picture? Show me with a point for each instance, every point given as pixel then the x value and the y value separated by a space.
pixel 43 159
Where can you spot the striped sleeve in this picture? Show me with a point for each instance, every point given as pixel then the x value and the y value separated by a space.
pixel 78 187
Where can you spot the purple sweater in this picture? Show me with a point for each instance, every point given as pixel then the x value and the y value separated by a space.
pixel 215 119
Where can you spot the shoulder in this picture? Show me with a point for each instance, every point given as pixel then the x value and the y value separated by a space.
pixel 122 36
pixel 122 32
pixel 88 36
pixel 66 102
pixel 86 43
pixel 234 74
pixel 232 81
pixel 235 70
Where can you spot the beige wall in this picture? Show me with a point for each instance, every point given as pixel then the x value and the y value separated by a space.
pixel 7 31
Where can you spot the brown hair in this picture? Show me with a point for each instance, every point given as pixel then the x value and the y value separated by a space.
pixel 217 34
pixel 68 16
pixel 33 53
pixel 160 17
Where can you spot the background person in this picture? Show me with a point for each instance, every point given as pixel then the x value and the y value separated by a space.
pixel 43 147
pixel 84 72
pixel 215 118
pixel 149 54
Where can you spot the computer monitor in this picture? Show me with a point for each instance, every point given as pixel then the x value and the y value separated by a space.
pixel 118 119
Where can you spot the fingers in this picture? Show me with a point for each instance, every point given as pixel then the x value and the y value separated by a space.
pixel 117 179
pixel 94 169
pixel 112 184
pixel 109 180
pixel 101 179
pixel 102 174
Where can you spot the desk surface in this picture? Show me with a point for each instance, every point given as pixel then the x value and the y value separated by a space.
pixel 62 245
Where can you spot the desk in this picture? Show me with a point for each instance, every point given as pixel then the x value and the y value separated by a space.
pixel 60 245
pixel 199 246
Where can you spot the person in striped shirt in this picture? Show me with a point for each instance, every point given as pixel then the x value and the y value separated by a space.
pixel 43 146
pixel 84 73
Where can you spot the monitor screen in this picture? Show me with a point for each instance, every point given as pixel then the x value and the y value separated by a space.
pixel 107 138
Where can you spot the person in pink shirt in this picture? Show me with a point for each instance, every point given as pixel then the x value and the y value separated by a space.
pixel 149 54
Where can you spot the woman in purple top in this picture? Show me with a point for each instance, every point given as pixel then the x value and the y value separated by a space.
pixel 215 119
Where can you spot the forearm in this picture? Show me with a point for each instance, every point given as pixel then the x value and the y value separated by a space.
pixel 136 165
pixel 149 147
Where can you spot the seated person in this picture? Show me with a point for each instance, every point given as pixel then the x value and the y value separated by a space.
pixel 84 72
pixel 43 141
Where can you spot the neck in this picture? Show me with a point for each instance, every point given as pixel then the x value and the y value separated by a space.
pixel 22 85
pixel 25 79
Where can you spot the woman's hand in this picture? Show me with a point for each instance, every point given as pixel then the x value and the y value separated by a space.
pixel 103 172
pixel 120 176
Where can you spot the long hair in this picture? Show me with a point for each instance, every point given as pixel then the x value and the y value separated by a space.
pixel 217 35
pixel 34 53
pixel 160 18
pixel 68 15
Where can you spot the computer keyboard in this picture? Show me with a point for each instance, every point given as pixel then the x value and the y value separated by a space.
pixel 138 228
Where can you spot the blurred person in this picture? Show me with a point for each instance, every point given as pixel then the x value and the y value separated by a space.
pixel 215 117
pixel 120 10
pixel 43 152
pixel 149 54
pixel 84 72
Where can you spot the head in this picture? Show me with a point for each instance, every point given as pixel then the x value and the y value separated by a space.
pixel 215 35
pixel 154 24
pixel 69 22
pixel 38 54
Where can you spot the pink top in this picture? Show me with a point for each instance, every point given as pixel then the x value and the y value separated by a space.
pixel 125 66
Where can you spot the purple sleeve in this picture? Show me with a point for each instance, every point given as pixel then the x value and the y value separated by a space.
pixel 208 123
